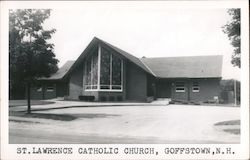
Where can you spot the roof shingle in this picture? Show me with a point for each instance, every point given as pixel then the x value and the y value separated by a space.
pixel 61 72
pixel 162 67
pixel 128 56
pixel 185 67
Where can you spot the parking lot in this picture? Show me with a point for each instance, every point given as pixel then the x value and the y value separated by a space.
pixel 126 124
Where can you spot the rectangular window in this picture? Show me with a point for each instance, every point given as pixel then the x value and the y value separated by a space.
pixel 50 89
pixel 195 87
pixel 39 89
pixel 179 87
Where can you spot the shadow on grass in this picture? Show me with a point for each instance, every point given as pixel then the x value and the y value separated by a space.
pixel 227 126
pixel 21 121
pixel 91 115
pixel 232 122
pixel 61 117
pixel 232 131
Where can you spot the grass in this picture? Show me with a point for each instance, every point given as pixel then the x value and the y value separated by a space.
pixel 232 122
pixel 228 128
pixel 22 121
pixel 61 117
pixel 15 103
pixel 89 115
pixel 232 131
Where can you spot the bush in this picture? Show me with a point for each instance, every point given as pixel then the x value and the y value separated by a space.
pixel 171 102
pixel 87 98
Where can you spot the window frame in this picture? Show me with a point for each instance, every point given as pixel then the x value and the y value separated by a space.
pixel 195 87
pixel 97 87
pixel 180 88
pixel 48 89
pixel 39 89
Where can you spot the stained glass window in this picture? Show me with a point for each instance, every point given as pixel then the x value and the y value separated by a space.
pixel 105 70
pixel 88 74
pixel 94 81
pixel 110 71
pixel 116 72
pixel 92 71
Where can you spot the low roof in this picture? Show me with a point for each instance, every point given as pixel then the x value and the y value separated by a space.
pixel 61 72
pixel 185 67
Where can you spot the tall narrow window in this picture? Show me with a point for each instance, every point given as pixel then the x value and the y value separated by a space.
pixel 116 72
pixel 92 71
pixel 94 81
pixel 105 69
pixel 88 74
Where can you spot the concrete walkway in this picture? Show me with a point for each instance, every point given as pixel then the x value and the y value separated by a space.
pixel 59 104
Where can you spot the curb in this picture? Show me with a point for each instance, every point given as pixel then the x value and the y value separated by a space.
pixel 101 105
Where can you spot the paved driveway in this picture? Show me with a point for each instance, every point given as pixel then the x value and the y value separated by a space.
pixel 128 124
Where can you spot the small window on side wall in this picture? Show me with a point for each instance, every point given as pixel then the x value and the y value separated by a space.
pixel 39 89
pixel 196 87
pixel 180 87
pixel 50 89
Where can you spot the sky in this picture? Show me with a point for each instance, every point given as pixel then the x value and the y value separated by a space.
pixel 143 30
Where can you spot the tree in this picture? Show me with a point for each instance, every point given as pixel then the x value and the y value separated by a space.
pixel 227 85
pixel 232 29
pixel 30 55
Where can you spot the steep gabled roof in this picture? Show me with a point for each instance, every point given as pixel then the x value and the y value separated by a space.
pixel 163 67
pixel 185 67
pixel 130 57
pixel 96 41
pixel 60 74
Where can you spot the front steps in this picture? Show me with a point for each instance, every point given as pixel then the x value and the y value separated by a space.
pixel 163 101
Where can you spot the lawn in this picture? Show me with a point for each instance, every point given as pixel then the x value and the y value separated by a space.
pixel 232 126
pixel 14 103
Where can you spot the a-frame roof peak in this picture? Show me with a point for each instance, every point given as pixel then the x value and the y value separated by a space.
pixel 95 41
